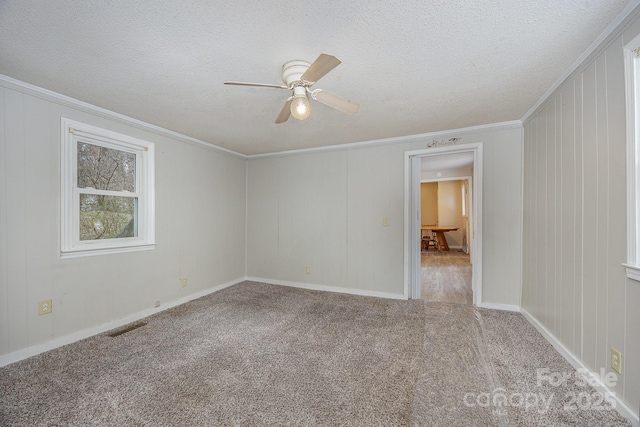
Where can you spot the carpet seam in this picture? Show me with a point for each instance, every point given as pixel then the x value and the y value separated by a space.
pixel 489 368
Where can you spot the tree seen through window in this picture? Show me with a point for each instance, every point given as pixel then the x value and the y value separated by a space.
pixel 107 183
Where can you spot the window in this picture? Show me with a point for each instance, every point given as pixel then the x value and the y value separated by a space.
pixel 107 191
pixel 632 71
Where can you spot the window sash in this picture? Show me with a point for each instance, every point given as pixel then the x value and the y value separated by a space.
pixel 138 208
pixel 89 190
pixel 71 245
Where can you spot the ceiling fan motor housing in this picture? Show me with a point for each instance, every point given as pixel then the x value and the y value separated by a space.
pixel 292 71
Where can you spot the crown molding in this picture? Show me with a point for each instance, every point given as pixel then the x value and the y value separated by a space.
pixel 48 95
pixel 513 124
pixel 614 29
pixel 29 89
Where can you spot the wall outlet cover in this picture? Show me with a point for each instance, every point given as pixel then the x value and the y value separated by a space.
pixel 45 307
pixel 616 360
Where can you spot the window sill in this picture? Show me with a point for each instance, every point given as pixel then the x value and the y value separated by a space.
pixel 633 272
pixel 105 251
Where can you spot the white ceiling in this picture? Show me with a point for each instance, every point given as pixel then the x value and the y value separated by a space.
pixel 415 66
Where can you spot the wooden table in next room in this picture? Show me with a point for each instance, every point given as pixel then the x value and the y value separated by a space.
pixel 440 237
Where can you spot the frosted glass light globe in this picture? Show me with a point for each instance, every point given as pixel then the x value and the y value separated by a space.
pixel 300 107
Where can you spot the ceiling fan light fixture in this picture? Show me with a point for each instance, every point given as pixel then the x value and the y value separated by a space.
pixel 299 76
pixel 300 105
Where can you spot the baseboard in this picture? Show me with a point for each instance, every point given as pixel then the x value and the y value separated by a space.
pixel 336 289
pixel 25 353
pixel 503 307
pixel 621 407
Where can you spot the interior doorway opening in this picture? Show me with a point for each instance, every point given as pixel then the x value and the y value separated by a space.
pixel 442 167
pixel 445 262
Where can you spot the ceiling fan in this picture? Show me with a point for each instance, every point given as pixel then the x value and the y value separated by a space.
pixel 298 77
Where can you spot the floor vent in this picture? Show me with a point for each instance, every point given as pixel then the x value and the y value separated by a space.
pixel 128 328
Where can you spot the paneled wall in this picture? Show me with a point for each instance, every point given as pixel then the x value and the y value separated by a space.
pixel 200 229
pixel 575 219
pixel 325 210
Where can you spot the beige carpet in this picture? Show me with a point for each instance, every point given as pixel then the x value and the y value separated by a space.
pixel 256 354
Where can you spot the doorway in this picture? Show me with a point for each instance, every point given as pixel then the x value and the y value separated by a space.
pixel 413 225
pixel 446 270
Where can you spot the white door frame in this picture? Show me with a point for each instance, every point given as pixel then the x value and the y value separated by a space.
pixel 412 217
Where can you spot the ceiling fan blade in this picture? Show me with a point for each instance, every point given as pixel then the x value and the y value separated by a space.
pixel 256 84
pixel 285 112
pixel 321 66
pixel 334 101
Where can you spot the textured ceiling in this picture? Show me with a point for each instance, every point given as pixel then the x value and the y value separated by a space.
pixel 414 66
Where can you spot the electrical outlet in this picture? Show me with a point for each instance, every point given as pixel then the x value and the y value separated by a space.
pixel 45 307
pixel 616 360
pixel 157 304
pixel 183 282
pixel 385 221
pixel 307 270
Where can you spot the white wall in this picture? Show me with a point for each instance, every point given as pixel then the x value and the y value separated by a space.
pixel 200 228
pixel 450 210
pixel 445 174
pixel 325 209
pixel 428 203
pixel 575 218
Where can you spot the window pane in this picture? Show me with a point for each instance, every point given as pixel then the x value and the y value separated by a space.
pixel 105 169
pixel 107 217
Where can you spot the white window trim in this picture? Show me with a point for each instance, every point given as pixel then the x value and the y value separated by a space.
pixel 70 244
pixel 632 87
